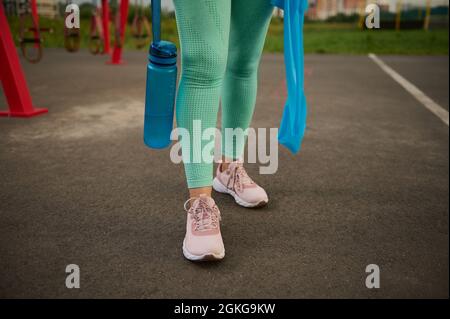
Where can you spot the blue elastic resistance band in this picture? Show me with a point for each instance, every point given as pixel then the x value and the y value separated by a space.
pixel 293 123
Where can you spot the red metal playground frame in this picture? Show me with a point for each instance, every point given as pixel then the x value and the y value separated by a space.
pixel 11 74
pixel 120 25
pixel 12 77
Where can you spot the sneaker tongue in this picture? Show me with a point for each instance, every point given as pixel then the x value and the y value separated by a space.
pixel 206 217
pixel 243 176
pixel 235 165
pixel 208 200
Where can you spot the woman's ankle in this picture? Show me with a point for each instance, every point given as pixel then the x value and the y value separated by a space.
pixel 225 163
pixel 196 192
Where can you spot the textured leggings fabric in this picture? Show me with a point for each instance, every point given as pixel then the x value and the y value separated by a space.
pixel 221 46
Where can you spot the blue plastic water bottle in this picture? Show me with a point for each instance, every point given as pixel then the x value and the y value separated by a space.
pixel 161 86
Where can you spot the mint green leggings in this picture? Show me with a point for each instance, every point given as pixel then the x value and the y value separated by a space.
pixel 221 46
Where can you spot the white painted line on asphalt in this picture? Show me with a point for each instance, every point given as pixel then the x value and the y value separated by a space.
pixel 432 106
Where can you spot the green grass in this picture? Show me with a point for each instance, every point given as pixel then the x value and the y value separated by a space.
pixel 344 38
pixel 337 38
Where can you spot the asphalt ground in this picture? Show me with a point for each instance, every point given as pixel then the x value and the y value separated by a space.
pixel 370 186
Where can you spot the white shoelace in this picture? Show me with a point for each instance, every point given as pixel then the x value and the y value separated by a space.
pixel 205 216
pixel 241 177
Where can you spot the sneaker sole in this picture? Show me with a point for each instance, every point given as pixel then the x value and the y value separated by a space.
pixel 219 187
pixel 206 257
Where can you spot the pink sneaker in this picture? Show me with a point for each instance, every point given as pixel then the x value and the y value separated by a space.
pixel 236 182
pixel 203 240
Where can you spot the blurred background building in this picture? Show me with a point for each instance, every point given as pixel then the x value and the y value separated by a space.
pixel 318 9
pixel 323 9
pixel 48 8
pixel 394 14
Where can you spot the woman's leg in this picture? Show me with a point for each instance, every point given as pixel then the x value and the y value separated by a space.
pixel 203 27
pixel 249 24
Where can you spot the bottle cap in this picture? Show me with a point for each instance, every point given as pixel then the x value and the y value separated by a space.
pixel 163 52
